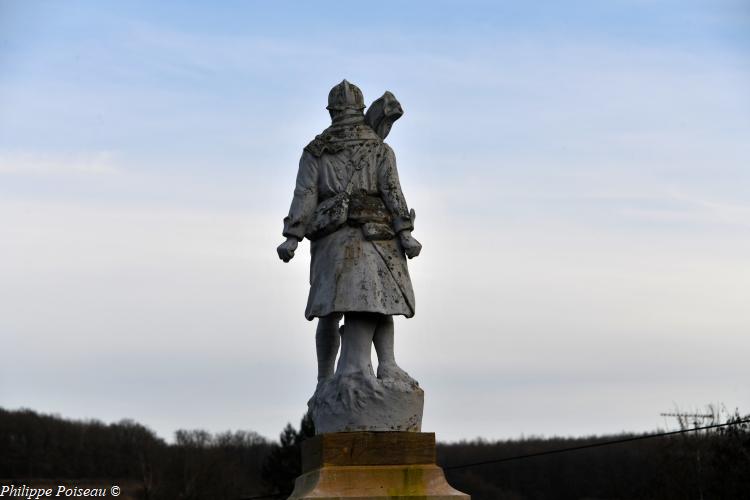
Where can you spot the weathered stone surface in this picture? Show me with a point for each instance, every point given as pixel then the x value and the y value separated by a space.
pixel 348 202
pixel 376 482
pixel 362 402
pixel 368 448
pixel 372 466
pixel 382 113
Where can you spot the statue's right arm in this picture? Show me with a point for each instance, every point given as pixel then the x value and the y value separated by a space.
pixel 393 197
pixel 286 249
pixel 303 205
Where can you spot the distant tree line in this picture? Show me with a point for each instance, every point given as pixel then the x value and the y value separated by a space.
pixel 234 465
pixel 703 465
pixel 198 465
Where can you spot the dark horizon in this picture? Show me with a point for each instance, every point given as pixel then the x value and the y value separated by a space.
pixel 233 465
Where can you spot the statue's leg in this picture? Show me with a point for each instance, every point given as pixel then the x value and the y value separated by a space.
pixel 327 341
pixel 383 340
pixel 356 343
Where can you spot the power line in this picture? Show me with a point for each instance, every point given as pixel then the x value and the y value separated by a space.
pixel 555 451
pixel 593 445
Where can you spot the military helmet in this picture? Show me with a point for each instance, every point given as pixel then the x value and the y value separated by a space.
pixel 345 95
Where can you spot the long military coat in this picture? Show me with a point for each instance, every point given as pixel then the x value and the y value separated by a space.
pixel 349 273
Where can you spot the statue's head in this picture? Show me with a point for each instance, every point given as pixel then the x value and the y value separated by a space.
pixel 345 99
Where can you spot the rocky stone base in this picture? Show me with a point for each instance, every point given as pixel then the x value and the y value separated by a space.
pixel 363 402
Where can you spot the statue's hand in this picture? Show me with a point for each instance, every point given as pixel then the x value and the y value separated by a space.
pixel 286 249
pixel 411 246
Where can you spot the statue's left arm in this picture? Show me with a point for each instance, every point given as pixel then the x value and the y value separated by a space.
pixel 393 197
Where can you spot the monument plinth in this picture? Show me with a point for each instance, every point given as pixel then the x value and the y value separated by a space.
pixel 372 466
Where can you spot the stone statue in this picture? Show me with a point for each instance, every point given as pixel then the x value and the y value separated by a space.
pixel 348 203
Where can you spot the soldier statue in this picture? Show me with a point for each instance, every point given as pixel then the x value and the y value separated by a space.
pixel 348 203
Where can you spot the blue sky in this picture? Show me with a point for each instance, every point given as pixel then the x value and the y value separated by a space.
pixel 579 170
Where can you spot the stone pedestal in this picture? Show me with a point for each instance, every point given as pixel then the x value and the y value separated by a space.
pixel 372 466
pixel 362 402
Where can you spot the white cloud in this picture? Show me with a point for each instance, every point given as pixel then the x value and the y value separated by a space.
pixel 58 164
